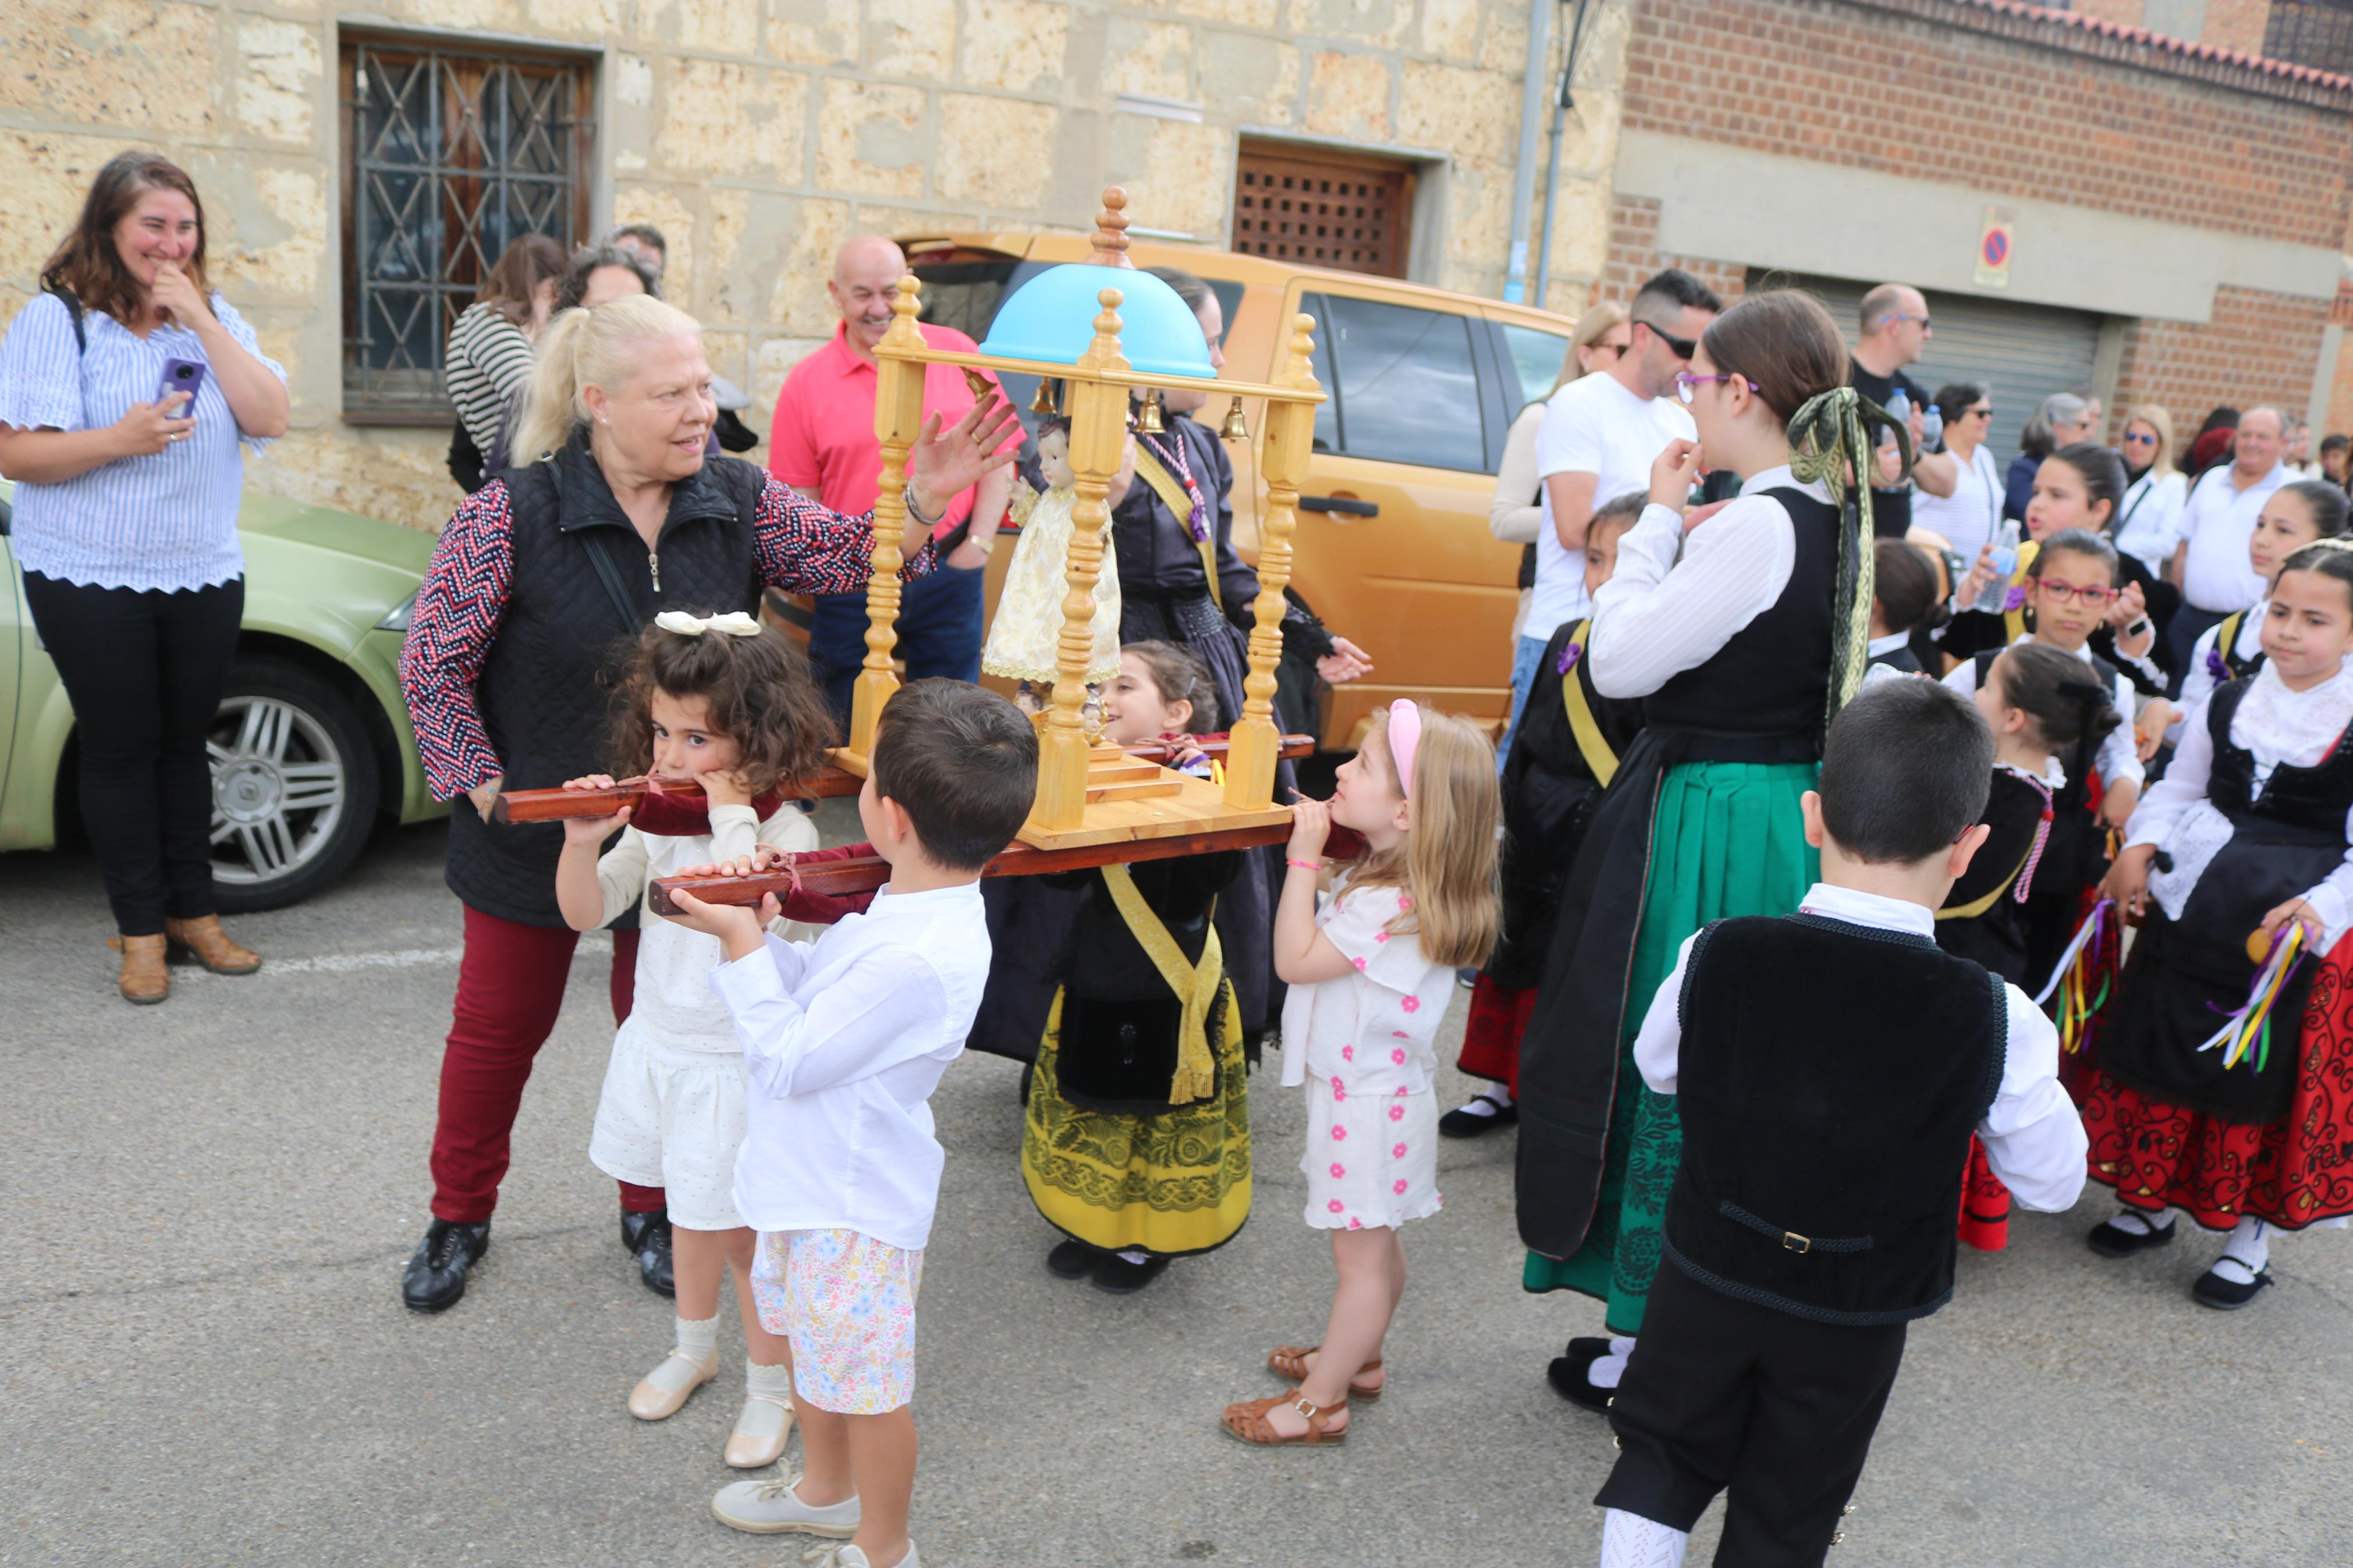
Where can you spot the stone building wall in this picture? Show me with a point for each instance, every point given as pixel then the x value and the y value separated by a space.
pixel 759 135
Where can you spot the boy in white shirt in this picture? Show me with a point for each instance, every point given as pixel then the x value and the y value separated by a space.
pixel 844 1040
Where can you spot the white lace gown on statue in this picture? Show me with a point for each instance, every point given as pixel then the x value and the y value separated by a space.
pixel 1029 614
pixel 672 1114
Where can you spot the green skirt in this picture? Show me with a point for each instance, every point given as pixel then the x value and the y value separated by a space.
pixel 1727 838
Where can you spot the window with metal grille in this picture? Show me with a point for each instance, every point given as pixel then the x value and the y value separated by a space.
pixel 2316 33
pixel 449 155
pixel 1323 208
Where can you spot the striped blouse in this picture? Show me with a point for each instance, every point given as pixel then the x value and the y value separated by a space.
pixel 488 361
pixel 164 522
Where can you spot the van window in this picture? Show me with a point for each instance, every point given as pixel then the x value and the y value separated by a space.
pixel 1406 388
pixel 1536 355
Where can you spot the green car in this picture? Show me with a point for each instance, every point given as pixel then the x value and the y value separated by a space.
pixel 312 743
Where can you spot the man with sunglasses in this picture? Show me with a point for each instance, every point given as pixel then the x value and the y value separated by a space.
pixel 1895 331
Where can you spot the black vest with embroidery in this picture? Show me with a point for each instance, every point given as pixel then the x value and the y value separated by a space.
pixel 1762 698
pixel 1830 1076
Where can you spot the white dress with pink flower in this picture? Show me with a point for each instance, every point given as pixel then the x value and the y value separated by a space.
pixel 1365 1045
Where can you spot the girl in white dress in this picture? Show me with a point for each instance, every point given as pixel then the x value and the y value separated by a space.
pixel 727 705
pixel 1370 978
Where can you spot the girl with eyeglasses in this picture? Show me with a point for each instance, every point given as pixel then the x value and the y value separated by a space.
pixel 2148 520
pixel 2071 586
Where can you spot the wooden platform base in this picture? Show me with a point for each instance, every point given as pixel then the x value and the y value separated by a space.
pixel 1192 806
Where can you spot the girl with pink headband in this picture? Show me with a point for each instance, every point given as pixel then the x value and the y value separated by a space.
pixel 1370 975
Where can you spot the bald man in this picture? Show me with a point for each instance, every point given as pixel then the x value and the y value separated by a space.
pixel 823 444
pixel 1893 332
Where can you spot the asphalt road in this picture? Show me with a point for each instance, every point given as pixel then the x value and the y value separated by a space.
pixel 207 1205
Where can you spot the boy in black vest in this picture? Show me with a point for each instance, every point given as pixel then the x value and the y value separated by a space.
pixel 1830 1066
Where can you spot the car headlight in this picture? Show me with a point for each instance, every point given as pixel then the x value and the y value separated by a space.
pixel 397 618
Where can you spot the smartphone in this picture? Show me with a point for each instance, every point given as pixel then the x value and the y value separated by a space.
pixel 182 375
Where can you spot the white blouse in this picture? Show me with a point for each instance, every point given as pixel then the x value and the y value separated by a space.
pixel 2278 726
pixel 1678 596
pixel 2117 758
pixel 2148 523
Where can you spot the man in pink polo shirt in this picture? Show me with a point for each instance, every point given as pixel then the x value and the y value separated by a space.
pixel 823 444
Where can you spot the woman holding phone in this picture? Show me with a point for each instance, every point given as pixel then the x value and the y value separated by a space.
pixel 125 388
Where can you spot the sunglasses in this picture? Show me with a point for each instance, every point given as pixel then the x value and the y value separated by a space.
pixel 1682 348
pixel 1978 413
pixel 1899 316
pixel 1613 348
pixel 2133 440
pixel 1686 384
pixel 2065 593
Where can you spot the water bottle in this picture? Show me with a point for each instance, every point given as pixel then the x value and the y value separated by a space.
pixel 1996 594
pixel 1899 409
pixel 1932 430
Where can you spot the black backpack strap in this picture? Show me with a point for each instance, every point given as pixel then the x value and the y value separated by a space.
pixel 73 309
pixel 593 540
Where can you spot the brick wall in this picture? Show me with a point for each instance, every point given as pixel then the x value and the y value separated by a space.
pixel 1634 255
pixel 2258 348
pixel 1870 87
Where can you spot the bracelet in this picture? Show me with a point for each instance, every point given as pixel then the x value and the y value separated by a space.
pixel 1304 864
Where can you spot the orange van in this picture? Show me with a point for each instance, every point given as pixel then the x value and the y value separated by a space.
pixel 1392 549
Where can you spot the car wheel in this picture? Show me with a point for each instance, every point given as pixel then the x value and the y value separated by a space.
pixel 294 786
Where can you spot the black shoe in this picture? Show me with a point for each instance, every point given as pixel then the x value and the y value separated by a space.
pixel 1566 1374
pixel 436 1277
pixel 1118 1277
pixel 646 1237
pixel 2227 1295
pixel 1465 1122
pixel 1073 1260
pixel 2110 1239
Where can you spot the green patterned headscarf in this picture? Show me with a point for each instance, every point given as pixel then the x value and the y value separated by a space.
pixel 1831 440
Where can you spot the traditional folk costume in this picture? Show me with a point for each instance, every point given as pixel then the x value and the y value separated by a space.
pixel 1741 650
pixel 1984 920
pixel 2257 809
pixel 2066 884
pixel 1972 632
pixel 1564 755
pixel 1811 1219
pixel 1137 1135
pixel 1895 654
pixel 1028 622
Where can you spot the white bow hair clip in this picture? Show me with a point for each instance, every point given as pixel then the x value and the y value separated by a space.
pixel 734 624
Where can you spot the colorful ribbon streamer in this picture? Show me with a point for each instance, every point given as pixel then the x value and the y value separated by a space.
pixel 2072 978
pixel 2248 1030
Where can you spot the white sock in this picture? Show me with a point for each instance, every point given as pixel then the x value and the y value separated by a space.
pixel 1629 1541
pixel 1132 1256
pixel 698 1342
pixel 762 1384
pixel 2244 1255
pixel 2138 1222
pixel 1607 1370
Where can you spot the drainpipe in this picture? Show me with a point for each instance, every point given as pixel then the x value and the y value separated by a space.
pixel 1565 100
pixel 1524 173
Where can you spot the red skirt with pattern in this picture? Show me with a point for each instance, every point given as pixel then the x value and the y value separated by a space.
pixel 2292 1173
pixel 1491 1035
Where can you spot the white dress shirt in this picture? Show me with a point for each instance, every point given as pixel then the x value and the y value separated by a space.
pixel 2117 757
pixel 2032 1138
pixel 2278 726
pixel 2216 576
pixel 1659 615
pixel 2197 681
pixel 844 1040
pixel 1592 425
pixel 2149 521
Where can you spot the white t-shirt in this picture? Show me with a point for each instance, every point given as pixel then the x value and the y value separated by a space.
pixel 1592 425
pixel 1970 515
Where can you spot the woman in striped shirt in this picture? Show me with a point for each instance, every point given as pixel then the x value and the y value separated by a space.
pixel 126 528
pixel 489 355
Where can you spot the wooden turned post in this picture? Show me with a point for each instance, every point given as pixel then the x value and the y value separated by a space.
pixel 1098 416
pixel 1290 438
pixel 898 421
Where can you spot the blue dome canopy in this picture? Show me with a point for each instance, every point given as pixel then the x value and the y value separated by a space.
pixel 1051 318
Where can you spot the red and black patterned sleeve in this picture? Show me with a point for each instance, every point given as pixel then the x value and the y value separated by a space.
pixel 459 608
pixel 804 548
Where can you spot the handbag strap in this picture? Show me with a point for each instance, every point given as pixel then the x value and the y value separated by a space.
pixel 609 574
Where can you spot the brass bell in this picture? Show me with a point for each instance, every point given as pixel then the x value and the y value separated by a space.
pixel 1148 421
pixel 1235 428
pixel 978 382
pixel 1044 401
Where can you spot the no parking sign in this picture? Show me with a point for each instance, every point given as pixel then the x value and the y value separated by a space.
pixel 1997 237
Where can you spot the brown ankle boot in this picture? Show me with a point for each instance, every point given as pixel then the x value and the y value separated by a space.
pixel 203 937
pixel 144 979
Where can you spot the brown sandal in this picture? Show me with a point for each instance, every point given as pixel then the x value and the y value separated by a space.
pixel 1247 1423
pixel 1290 1362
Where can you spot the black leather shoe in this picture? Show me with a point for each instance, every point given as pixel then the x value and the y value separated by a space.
pixel 2227 1295
pixel 1567 1374
pixel 1117 1275
pixel 1073 1260
pixel 2110 1239
pixel 1465 1122
pixel 436 1277
pixel 646 1237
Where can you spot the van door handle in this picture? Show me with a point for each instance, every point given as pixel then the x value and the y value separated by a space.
pixel 1337 503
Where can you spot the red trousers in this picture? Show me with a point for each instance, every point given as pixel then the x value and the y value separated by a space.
pixel 510 989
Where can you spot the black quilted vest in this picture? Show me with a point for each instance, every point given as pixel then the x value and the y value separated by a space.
pixel 546 686
pixel 1762 698
pixel 1829 1078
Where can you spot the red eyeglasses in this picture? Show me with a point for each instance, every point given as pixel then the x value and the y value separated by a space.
pixel 2064 592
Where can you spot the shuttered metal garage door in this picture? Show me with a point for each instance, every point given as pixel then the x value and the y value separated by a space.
pixel 2025 352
